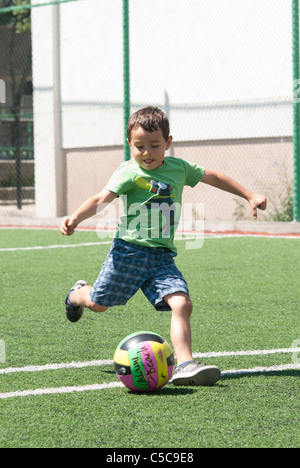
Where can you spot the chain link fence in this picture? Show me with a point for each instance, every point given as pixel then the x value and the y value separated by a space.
pixel 16 116
pixel 222 70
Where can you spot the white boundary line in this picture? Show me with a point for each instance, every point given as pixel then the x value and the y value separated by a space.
pixel 257 370
pixel 103 362
pixel 234 232
pixel 47 367
pixel 48 391
pixel 104 386
pixel 206 236
pixel 258 352
pixel 58 246
pixel 84 388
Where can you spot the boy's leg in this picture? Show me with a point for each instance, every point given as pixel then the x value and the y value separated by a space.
pixel 181 334
pixel 80 297
pixel 117 282
pixel 188 371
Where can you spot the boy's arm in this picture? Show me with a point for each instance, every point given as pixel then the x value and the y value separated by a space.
pixel 89 208
pixel 223 182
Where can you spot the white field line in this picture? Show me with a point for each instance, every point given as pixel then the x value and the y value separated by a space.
pixel 58 246
pixel 103 362
pixel 179 233
pixel 47 367
pixel 224 235
pixel 257 370
pixel 104 386
pixel 48 391
pixel 193 237
pixel 258 352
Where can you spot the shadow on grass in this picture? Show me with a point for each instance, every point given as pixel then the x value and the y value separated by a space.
pixel 242 375
pixel 167 391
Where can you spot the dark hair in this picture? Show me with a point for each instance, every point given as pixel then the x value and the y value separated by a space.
pixel 150 119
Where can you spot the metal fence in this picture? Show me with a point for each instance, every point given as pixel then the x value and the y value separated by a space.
pixel 16 115
pixel 223 70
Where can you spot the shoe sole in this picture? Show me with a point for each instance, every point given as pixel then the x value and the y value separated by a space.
pixel 205 376
pixel 75 314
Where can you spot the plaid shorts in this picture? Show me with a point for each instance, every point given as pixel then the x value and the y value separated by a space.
pixel 129 267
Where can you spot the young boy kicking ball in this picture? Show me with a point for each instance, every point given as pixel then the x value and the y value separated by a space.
pixel 142 254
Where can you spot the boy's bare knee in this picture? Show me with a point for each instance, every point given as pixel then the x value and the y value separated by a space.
pixel 189 306
pixel 180 302
pixel 96 307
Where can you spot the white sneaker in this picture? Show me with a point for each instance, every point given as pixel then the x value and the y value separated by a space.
pixel 196 374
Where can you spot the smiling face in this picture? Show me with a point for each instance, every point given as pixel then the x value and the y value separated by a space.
pixel 148 148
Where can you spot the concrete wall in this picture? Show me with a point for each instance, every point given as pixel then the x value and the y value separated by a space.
pixel 262 165
pixel 221 70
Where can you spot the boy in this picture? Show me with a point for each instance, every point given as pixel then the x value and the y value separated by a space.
pixel 141 255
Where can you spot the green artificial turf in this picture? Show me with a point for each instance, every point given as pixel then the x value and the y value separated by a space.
pixel 246 296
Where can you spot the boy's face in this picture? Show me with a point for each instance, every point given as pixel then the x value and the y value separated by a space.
pixel 148 149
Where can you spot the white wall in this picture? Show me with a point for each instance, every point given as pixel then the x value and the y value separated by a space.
pixel 226 67
pixel 213 50
pixel 222 69
pixel 49 159
pixel 92 73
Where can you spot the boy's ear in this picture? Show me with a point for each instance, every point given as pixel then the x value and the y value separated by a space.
pixel 170 139
pixel 128 141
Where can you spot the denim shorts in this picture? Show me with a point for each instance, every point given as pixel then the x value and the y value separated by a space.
pixel 129 267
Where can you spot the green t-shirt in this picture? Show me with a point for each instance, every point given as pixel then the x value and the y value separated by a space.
pixel 152 200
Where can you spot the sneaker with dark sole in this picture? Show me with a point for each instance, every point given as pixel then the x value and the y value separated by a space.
pixel 196 374
pixel 74 313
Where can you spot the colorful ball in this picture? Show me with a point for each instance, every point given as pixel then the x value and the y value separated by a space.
pixel 144 361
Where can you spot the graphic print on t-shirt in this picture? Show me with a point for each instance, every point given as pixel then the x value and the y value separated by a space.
pixel 161 198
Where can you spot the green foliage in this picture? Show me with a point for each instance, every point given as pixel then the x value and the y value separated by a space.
pixel 285 212
pixel 22 16
pixel 19 19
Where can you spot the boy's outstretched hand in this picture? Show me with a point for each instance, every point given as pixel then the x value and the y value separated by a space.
pixel 223 182
pixel 257 201
pixel 68 226
pixel 89 208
